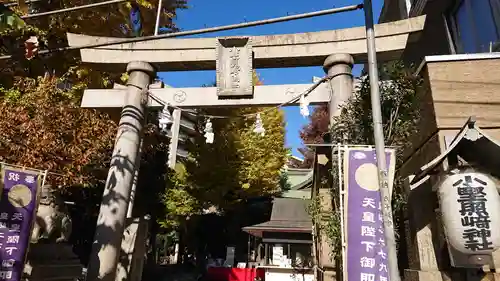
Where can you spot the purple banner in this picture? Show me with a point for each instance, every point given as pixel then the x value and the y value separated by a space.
pixel 17 210
pixel 366 250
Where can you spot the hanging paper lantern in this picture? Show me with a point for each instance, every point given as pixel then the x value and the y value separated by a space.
pixel 165 119
pixel 209 132
pixel 304 106
pixel 259 127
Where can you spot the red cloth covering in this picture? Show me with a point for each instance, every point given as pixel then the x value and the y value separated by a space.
pixel 234 274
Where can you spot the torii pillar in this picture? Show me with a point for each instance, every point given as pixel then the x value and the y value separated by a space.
pixel 106 248
pixel 339 67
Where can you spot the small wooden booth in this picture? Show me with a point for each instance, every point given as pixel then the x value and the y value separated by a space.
pixel 284 243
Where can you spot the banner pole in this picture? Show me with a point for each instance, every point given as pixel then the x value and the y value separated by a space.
pixel 340 153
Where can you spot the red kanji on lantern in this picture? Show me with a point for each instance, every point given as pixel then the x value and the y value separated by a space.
pixel 31 47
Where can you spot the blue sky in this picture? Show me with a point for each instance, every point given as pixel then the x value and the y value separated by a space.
pixel 209 13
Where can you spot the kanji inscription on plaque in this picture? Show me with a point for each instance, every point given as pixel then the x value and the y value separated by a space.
pixel 234 67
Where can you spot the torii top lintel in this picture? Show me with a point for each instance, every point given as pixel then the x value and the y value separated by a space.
pixel 285 50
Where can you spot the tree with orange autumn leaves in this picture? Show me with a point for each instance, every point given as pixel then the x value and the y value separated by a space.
pixel 313 132
pixel 112 20
pixel 42 125
pixel 43 128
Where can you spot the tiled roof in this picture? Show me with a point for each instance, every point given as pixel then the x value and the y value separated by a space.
pixel 288 215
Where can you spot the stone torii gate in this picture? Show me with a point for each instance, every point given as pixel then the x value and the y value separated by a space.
pixel 335 50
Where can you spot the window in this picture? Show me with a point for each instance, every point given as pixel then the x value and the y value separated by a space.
pixel 476 25
pixel 300 255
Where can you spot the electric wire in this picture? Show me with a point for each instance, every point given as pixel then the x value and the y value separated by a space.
pixel 187 33
pixel 199 31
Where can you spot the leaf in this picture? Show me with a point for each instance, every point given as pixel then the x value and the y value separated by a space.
pixel 44 129
pixel 108 21
pixel 9 20
pixel 22 6
pixel 400 114
pixel 240 164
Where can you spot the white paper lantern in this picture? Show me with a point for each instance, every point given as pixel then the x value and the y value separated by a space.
pixel 470 207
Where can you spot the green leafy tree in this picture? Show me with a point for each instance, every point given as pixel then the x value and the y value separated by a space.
pixel 177 200
pixel 240 164
pixel 221 176
pixel 400 114
pixel 400 110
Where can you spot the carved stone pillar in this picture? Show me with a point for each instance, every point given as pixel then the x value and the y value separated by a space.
pixel 340 67
pixel 113 212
